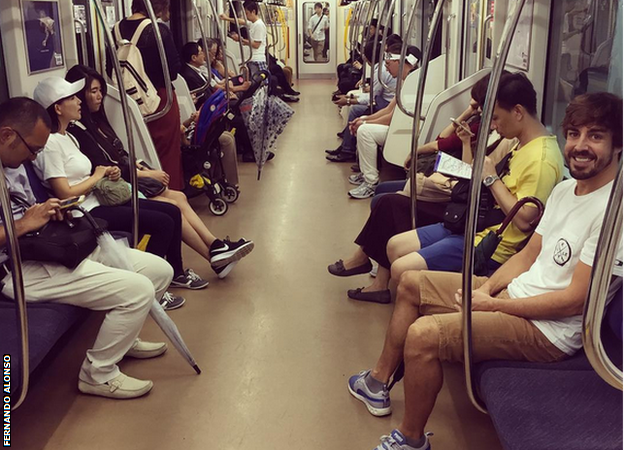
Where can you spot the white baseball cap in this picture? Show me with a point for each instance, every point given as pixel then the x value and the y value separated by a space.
pixel 53 89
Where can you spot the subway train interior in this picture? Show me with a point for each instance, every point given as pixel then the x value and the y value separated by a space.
pixel 295 205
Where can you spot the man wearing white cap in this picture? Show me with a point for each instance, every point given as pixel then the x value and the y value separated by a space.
pixel 372 130
pixel 125 296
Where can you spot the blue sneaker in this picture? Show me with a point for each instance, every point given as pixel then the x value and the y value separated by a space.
pixel 378 404
pixel 396 441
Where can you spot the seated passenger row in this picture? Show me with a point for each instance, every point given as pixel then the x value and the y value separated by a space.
pixel 530 308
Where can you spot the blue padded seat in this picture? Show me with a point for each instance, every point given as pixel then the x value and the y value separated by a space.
pixel 47 323
pixel 563 405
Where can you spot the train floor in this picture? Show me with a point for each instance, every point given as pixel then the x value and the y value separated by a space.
pixel 276 340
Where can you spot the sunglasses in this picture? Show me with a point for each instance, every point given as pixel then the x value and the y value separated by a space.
pixel 33 150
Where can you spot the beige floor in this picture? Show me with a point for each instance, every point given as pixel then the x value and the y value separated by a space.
pixel 276 340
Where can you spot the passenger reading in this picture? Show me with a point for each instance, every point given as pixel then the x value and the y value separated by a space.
pixel 453 167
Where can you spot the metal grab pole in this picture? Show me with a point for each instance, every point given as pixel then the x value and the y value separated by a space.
pixel 15 260
pixel 208 82
pixel 483 40
pixel 384 35
pixel 593 313
pixel 165 67
pixel 223 39
pixel 447 45
pixel 372 6
pixel 420 95
pixel 240 40
pixel 399 85
pixel 475 192
pixel 371 103
pixel 83 40
pixel 126 115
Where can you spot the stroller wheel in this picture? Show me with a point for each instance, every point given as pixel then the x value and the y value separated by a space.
pixel 218 206
pixel 230 194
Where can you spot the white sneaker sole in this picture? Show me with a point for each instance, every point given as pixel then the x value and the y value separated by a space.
pixel 377 412
pixel 223 259
pixel 225 272
pixel 146 354
pixel 102 390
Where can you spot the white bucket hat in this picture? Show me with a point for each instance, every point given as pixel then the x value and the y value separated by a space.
pixel 53 89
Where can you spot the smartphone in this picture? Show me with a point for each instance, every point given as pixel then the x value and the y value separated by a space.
pixel 466 129
pixel 74 201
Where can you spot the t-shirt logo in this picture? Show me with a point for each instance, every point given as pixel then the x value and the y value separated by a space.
pixel 563 252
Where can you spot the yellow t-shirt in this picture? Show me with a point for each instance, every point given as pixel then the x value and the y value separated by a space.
pixel 534 170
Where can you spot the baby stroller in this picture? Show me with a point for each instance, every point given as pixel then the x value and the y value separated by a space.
pixel 201 161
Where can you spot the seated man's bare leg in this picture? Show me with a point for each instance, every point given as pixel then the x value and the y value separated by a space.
pixel 412 261
pixel 403 244
pixel 405 314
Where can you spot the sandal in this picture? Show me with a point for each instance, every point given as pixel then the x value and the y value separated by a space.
pixel 339 270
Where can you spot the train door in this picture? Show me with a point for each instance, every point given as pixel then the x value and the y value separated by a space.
pixel 316 38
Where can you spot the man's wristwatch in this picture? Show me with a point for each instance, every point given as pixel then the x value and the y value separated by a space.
pixel 490 180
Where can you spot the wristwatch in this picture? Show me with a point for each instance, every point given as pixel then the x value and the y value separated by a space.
pixel 490 180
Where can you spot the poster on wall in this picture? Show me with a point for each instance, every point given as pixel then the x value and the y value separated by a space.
pixel 42 35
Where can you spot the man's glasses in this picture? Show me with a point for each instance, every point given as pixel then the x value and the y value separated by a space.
pixel 34 151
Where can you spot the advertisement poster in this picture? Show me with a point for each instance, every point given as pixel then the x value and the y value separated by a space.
pixel 42 34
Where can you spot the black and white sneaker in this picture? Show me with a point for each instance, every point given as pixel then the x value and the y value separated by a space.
pixel 223 271
pixel 224 252
pixel 189 280
pixel 170 301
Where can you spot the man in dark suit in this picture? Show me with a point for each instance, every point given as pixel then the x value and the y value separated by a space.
pixel 194 59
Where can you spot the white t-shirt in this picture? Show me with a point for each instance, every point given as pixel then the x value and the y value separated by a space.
pixel 62 158
pixel 258 32
pixel 319 32
pixel 570 229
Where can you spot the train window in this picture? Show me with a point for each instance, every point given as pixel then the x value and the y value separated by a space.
pixel 316 32
pixel 584 54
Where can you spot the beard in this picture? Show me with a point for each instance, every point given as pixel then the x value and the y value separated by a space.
pixel 590 171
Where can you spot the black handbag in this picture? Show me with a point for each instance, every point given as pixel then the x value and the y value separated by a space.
pixel 66 242
pixel 456 211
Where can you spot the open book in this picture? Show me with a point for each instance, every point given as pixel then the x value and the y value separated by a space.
pixel 453 167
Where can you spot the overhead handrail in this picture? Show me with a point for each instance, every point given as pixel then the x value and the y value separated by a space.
pixel 483 40
pixel 384 35
pixel 208 83
pixel 165 67
pixel 17 276
pixel 110 43
pixel 475 192
pixel 83 39
pixel 593 312
pixel 399 84
pixel 420 95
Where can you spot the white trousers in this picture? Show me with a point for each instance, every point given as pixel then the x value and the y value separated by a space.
pixel 126 296
pixel 369 136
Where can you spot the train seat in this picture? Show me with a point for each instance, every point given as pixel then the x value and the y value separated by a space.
pixel 559 405
pixel 47 323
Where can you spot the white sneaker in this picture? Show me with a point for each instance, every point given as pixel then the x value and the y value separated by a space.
pixel 120 387
pixel 356 178
pixel 144 350
pixel 364 190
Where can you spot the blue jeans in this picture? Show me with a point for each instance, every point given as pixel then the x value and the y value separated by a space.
pixel 387 187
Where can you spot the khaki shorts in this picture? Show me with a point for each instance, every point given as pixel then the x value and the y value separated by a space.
pixel 495 335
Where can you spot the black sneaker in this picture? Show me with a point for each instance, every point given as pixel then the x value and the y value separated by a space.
pixel 170 301
pixel 334 152
pixel 341 157
pixel 189 280
pixel 225 252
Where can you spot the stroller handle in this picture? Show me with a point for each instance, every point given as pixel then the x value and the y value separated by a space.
pixel 256 81
pixel 514 210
